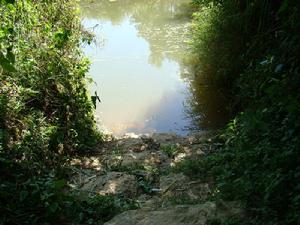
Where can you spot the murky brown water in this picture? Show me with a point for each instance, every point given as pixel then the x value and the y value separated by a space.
pixel 137 64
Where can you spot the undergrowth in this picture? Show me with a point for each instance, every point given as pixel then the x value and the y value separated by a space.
pixel 46 114
pixel 249 48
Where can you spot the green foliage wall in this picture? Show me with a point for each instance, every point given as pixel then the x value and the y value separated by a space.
pixel 250 48
pixel 45 111
pixel 44 101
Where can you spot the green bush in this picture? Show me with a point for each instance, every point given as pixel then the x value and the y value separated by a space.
pixel 43 75
pixel 251 48
pixel 45 111
pixel 44 199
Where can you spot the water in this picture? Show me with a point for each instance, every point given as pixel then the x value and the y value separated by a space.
pixel 137 64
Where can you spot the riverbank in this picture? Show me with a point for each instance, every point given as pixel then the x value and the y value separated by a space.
pixel 54 172
pixel 152 180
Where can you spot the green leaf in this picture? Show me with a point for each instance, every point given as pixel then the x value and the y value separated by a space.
pixel 6 65
pixel 284 6
pixel 10 1
pixel 59 184
pixel 10 55
pixel 61 37
pixel 23 195
pixel 53 207
pixel 10 30
pixel 94 101
pixel 2 33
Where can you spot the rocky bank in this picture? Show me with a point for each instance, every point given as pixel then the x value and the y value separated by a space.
pixel 140 168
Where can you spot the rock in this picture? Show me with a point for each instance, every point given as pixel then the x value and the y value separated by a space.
pixel 148 176
pixel 199 137
pixel 179 157
pixel 87 162
pixel 178 215
pixel 127 144
pixel 168 139
pixel 172 181
pixel 149 202
pixel 172 199
pixel 229 209
pixel 150 143
pixel 111 161
pixel 143 158
pixel 130 135
pixel 179 188
pixel 113 183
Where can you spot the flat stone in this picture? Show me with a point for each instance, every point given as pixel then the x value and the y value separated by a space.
pixel 180 188
pixel 168 138
pixel 149 202
pixel 178 215
pixel 172 181
pixel 113 183
pixel 127 143
pixel 143 158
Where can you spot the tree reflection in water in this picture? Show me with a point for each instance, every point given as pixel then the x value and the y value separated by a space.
pixel 164 24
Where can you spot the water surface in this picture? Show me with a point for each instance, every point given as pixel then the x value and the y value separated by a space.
pixel 137 64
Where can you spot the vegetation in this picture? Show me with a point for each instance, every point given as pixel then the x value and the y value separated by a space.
pixel 45 115
pixel 250 48
pixel 170 150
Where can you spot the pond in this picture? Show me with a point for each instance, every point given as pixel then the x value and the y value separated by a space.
pixel 137 64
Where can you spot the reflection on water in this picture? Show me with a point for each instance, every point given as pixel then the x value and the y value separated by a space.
pixel 137 68
pixel 138 65
pixel 208 107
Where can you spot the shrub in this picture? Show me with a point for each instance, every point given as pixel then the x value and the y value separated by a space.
pixel 45 110
pixel 250 48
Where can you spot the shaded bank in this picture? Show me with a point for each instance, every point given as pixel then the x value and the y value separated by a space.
pixel 250 48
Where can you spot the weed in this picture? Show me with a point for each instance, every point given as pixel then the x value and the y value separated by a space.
pixel 170 150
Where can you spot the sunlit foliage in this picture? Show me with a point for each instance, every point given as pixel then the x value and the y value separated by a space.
pixel 45 111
